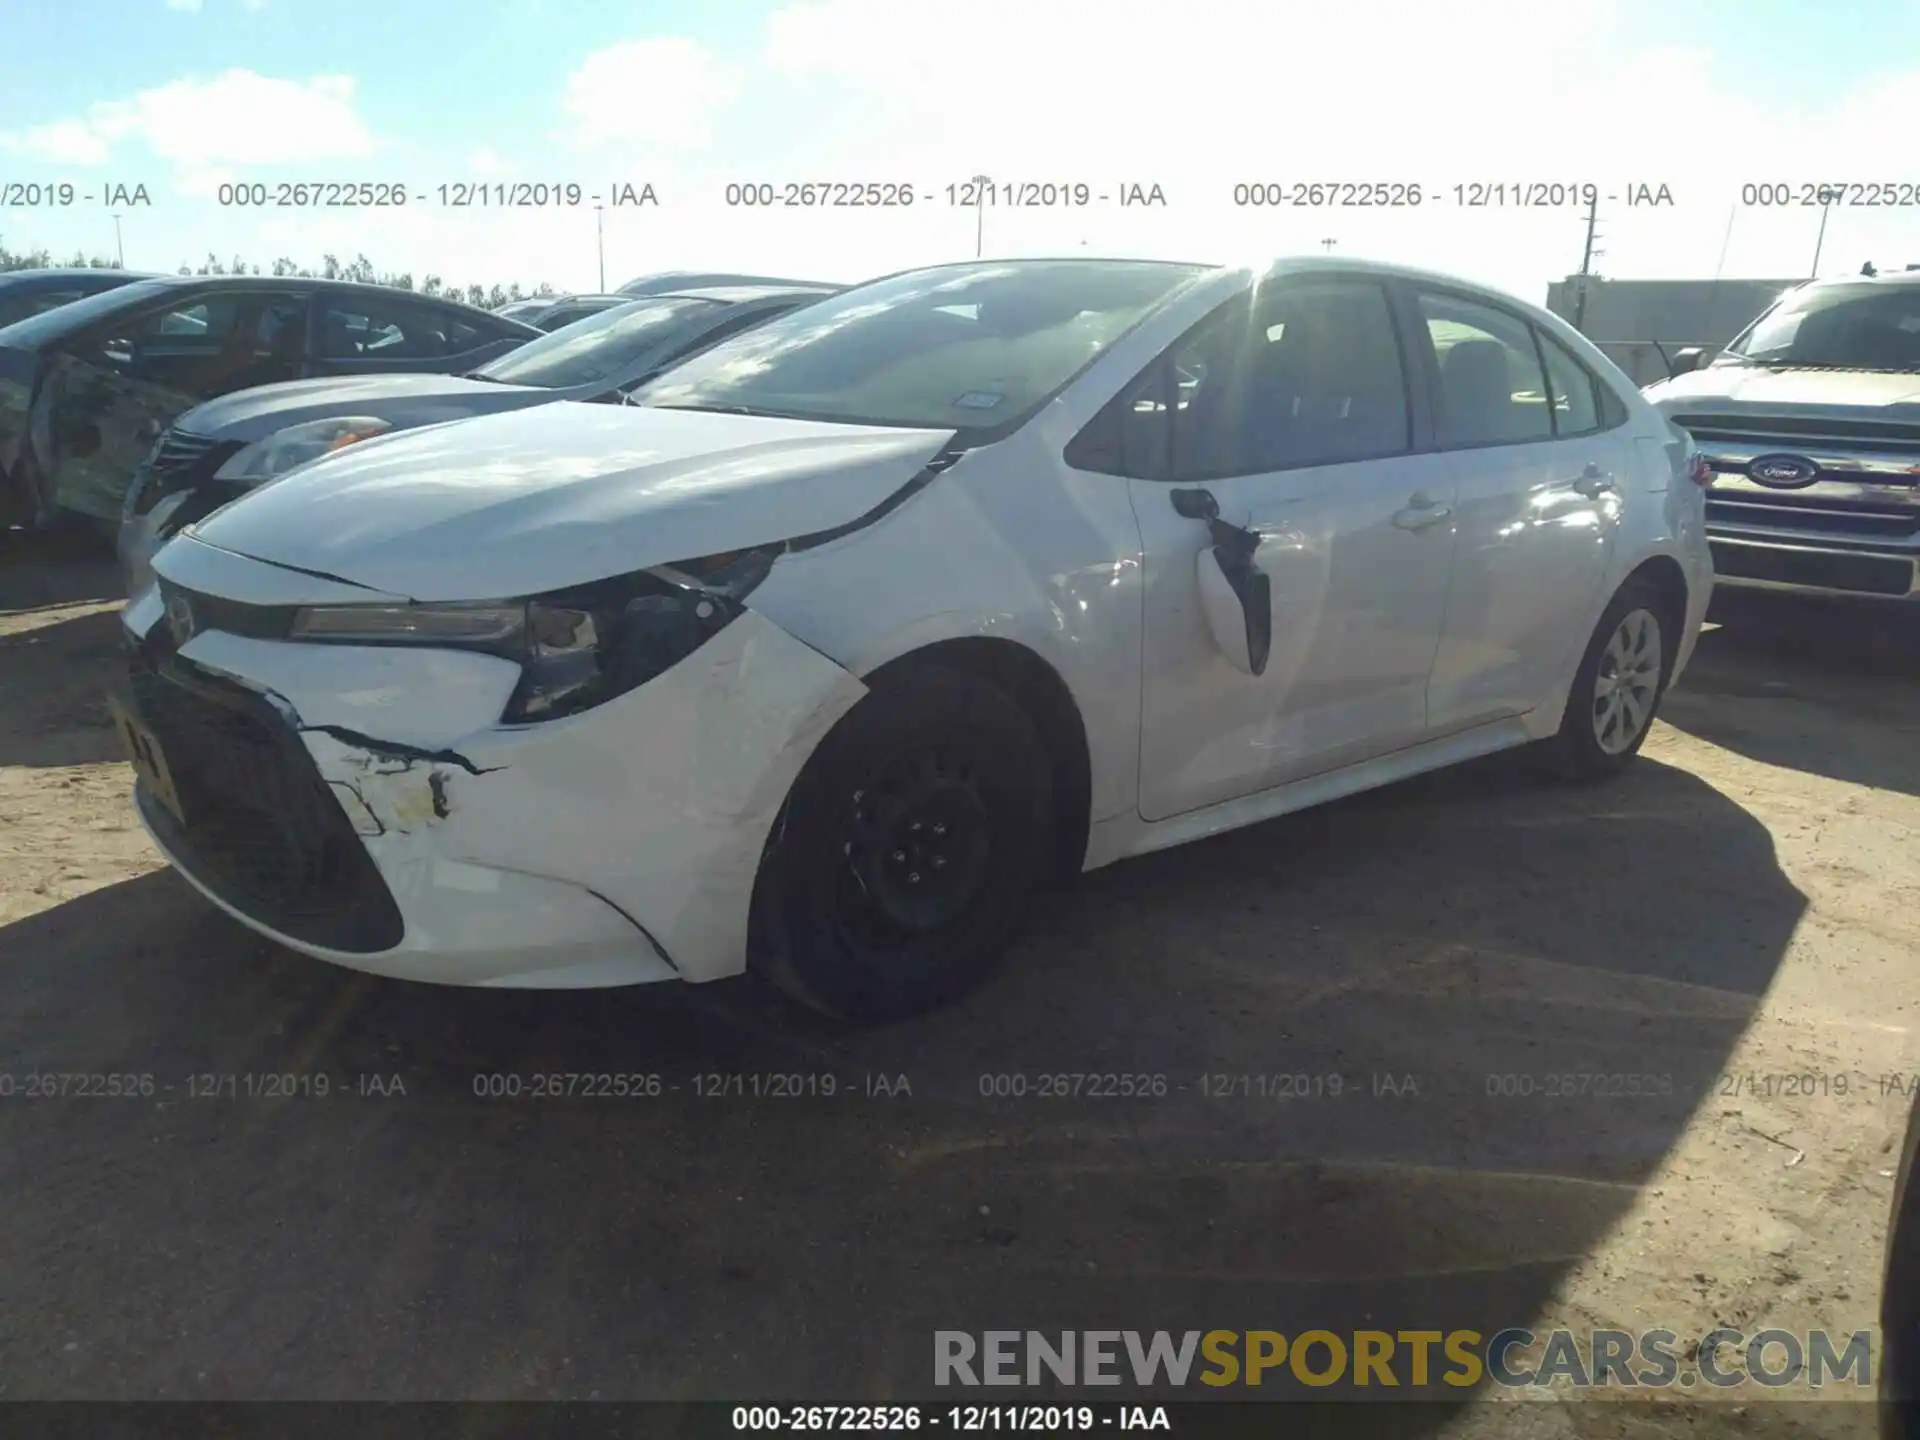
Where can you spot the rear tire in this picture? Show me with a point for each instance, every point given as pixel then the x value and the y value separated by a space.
pixel 905 857
pixel 1618 686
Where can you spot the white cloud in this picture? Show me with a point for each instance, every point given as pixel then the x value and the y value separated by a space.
pixel 62 142
pixel 658 95
pixel 238 118
pixel 1194 96
pixel 488 161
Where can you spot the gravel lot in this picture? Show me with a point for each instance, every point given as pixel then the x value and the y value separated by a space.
pixel 1744 904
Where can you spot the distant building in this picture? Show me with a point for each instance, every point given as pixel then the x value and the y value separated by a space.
pixel 1626 318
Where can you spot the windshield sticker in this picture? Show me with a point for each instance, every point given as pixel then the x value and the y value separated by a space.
pixel 978 400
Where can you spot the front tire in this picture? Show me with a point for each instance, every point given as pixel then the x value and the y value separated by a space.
pixel 905 857
pixel 1618 687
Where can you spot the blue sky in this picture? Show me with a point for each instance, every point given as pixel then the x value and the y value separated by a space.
pixel 1698 95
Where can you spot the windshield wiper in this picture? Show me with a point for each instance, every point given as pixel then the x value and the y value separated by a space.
pixel 717 409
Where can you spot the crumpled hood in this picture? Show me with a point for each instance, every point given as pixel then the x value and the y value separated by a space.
pixel 405 400
pixel 561 494
pixel 1744 389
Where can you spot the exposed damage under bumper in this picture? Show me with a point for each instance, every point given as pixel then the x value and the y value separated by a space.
pixel 612 847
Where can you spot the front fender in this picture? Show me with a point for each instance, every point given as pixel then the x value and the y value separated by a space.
pixel 988 550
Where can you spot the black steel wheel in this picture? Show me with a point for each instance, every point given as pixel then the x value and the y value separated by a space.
pixel 904 859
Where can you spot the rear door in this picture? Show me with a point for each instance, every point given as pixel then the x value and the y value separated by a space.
pixel 371 334
pixel 1539 482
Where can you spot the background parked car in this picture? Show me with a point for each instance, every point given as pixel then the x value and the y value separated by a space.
pixel 84 389
pixel 671 281
pixel 32 292
pixel 220 450
pixel 551 312
pixel 1811 420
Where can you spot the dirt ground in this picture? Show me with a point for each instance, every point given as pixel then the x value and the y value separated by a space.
pixel 1736 921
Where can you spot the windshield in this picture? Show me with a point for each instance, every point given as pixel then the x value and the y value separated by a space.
pixel 961 347
pixel 600 346
pixel 1853 327
pixel 37 330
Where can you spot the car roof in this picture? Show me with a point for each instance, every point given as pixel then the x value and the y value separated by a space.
pixel 62 274
pixel 331 287
pixel 1883 277
pixel 739 294
pixel 551 300
pixel 679 281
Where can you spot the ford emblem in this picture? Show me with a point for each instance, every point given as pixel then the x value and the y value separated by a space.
pixel 180 618
pixel 1783 472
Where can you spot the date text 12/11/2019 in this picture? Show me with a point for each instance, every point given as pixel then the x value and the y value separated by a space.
pixel 978 193
pixel 1473 195
pixel 451 195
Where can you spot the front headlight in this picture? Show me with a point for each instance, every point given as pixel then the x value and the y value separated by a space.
pixel 576 648
pixel 281 451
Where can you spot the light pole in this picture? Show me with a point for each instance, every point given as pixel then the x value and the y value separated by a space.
pixel 1826 197
pixel 981 185
pixel 600 244
pixel 119 250
pixel 1327 245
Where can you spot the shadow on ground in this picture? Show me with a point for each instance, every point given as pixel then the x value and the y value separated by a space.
pixel 1804 684
pixel 54 680
pixel 68 568
pixel 1336 1019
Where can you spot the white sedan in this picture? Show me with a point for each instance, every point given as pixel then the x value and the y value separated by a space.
pixel 846 637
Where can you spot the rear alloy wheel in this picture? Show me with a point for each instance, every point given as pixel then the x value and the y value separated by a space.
pixel 904 859
pixel 1618 687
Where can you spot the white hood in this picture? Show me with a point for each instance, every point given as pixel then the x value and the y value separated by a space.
pixel 535 500
pixel 1751 388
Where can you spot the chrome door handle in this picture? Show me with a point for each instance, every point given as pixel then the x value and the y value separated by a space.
pixel 1593 482
pixel 1422 510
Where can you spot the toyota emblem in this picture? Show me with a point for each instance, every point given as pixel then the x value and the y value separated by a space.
pixel 180 618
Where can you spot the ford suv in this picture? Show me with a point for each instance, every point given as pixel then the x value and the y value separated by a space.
pixel 1810 419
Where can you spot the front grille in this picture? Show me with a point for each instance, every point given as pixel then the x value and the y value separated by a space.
pixel 262 829
pixel 1861 574
pixel 216 612
pixel 181 462
pixel 1865 523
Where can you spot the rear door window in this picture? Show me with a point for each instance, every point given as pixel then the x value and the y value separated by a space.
pixel 1493 390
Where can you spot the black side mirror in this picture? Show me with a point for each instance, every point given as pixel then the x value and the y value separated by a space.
pixel 1686 361
pixel 1195 505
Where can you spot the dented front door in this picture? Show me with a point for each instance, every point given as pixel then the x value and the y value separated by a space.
pixel 93 425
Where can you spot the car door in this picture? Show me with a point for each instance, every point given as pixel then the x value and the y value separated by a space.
pixel 1538 483
pixel 111 389
pixel 1290 414
pixel 371 334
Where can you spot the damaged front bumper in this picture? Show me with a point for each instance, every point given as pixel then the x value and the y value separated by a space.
pixel 612 847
